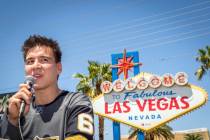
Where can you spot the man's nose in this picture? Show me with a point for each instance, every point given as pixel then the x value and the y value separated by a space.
pixel 37 64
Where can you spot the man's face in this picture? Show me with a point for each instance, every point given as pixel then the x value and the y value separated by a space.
pixel 40 63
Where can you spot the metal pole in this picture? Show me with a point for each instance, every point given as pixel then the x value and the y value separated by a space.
pixel 115 57
pixel 115 125
pixel 116 130
pixel 140 135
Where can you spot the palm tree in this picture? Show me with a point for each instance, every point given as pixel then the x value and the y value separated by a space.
pixel 204 59
pixel 90 84
pixel 3 103
pixel 193 137
pixel 163 132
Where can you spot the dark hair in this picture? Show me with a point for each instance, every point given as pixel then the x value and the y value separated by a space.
pixel 38 40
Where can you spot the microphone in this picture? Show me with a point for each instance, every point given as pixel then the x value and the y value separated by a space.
pixel 29 80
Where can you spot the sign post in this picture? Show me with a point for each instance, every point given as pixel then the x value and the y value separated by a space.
pixel 145 101
pixel 124 65
pixel 140 135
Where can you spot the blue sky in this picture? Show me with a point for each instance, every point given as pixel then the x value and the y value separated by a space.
pixel 167 35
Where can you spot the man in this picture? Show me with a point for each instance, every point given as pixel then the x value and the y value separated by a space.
pixel 50 113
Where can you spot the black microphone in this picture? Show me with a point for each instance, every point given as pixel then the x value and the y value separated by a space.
pixel 30 80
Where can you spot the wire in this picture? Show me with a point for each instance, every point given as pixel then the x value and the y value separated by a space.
pixel 162 39
pixel 154 45
pixel 151 33
pixel 149 28
pixel 20 128
pixel 144 35
pixel 108 29
pixel 181 39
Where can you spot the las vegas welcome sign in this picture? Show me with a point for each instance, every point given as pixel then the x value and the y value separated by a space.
pixel 147 101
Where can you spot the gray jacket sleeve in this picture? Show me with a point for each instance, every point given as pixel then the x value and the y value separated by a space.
pixel 7 130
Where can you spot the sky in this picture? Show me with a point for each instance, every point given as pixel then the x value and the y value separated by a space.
pixel 167 35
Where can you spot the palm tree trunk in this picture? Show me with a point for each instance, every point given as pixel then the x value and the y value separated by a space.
pixel 101 128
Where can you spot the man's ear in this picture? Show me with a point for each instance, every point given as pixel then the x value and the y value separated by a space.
pixel 59 68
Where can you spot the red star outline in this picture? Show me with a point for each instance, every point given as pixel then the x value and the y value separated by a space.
pixel 125 64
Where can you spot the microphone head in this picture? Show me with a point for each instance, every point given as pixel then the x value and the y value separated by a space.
pixel 30 80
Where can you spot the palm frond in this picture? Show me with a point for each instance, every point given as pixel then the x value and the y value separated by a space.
pixel 200 72
pixel 79 76
pixel 133 133
pixel 208 50
pixel 204 59
pixel 193 137
pixel 3 103
pixel 163 132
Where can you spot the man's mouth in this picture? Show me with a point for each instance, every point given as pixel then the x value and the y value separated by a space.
pixel 37 76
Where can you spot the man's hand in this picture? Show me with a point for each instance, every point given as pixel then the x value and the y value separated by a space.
pixel 15 102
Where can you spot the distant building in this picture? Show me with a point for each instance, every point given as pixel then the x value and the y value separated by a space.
pixel 179 135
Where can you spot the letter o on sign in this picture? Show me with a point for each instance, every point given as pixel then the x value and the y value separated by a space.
pixel 154 82
pixel 142 84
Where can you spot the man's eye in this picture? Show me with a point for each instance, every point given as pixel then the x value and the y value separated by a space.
pixel 44 60
pixel 29 62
